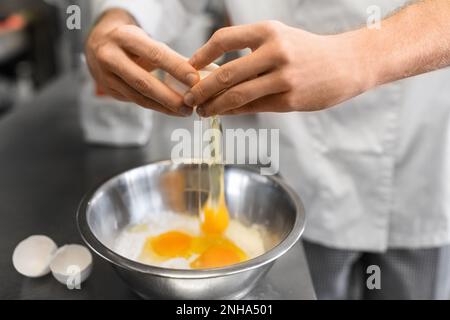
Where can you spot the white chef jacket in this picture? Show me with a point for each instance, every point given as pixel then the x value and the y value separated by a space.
pixel 373 172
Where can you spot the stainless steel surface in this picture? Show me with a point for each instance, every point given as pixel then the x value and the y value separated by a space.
pixel 46 168
pixel 167 187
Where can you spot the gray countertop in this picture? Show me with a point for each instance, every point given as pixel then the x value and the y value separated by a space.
pixel 46 168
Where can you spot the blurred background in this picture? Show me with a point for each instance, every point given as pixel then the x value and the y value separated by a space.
pixel 36 47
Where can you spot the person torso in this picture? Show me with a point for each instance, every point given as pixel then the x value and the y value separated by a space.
pixel 373 172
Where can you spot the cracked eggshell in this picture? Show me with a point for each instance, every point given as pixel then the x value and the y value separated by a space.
pixel 32 256
pixel 69 261
pixel 180 87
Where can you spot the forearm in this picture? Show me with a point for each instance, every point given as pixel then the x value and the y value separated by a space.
pixel 413 41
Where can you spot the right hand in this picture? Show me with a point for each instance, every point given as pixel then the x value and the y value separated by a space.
pixel 120 56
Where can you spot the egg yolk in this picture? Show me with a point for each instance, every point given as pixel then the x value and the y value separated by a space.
pixel 171 244
pixel 210 250
pixel 213 251
pixel 217 256
pixel 215 220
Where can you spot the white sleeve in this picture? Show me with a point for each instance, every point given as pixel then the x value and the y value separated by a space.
pixel 162 19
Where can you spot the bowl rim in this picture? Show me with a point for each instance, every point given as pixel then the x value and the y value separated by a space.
pixel 122 262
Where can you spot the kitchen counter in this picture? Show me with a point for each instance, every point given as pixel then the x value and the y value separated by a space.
pixel 46 168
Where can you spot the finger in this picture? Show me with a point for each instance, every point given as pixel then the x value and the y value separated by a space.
pixel 144 83
pixel 229 75
pixel 273 103
pixel 117 95
pixel 143 63
pixel 104 90
pixel 157 54
pixel 225 40
pixel 243 94
pixel 118 85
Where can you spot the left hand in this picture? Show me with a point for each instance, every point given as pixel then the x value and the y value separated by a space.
pixel 288 70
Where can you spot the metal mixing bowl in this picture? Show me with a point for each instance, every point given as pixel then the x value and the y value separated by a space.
pixel 164 186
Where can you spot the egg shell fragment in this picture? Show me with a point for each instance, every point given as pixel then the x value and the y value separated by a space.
pixel 71 261
pixel 32 256
pixel 180 87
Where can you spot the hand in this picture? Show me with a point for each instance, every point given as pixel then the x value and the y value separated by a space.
pixel 121 55
pixel 288 70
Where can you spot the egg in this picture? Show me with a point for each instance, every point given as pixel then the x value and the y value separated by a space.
pixel 180 87
pixel 213 248
pixel 178 241
pixel 37 255
pixel 32 256
pixel 172 241
pixel 219 255
pixel 71 264
pixel 215 220
pixel 204 251
pixel 172 244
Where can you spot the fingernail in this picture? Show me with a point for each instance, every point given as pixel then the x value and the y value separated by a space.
pixel 201 111
pixel 192 78
pixel 185 111
pixel 189 99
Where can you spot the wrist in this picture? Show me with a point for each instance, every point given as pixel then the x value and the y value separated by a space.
pixel 371 61
pixel 350 64
pixel 361 61
pixel 110 20
pixel 116 16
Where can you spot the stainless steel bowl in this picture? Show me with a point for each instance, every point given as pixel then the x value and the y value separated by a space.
pixel 164 186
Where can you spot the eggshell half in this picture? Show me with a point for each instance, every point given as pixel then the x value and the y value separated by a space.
pixel 180 87
pixel 32 256
pixel 72 262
